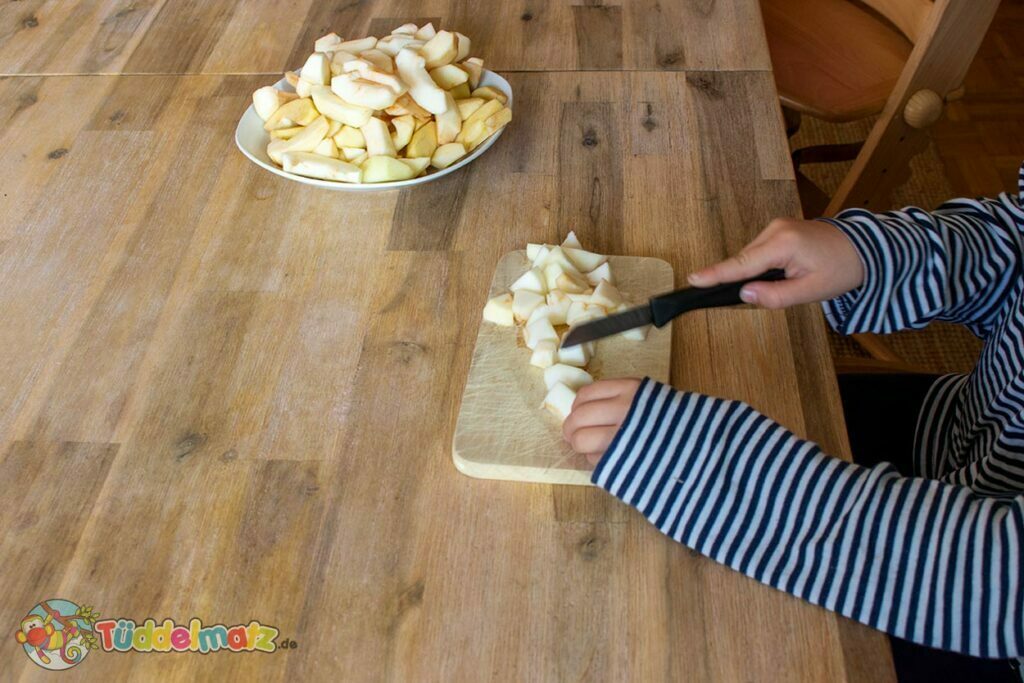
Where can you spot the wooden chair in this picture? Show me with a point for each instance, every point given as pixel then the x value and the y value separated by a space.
pixel 844 60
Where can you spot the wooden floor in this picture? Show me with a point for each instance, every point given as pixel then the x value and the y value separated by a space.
pixel 981 138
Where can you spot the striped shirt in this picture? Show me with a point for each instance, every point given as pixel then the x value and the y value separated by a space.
pixel 934 558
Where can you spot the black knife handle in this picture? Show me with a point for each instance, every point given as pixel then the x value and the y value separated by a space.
pixel 666 307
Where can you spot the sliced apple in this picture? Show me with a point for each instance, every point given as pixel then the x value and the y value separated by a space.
pixel 602 272
pixel 408 29
pixel 468 106
pixel 574 355
pixel 407 105
pixel 338 61
pixel 417 164
pixel 523 303
pixel 285 133
pixel 499 310
pixel 380 60
pixel 426 32
pixel 460 92
pixel 357 46
pixel 304 141
pixel 328 43
pixel 334 107
pixel 545 355
pixel 412 68
pixel 304 88
pixel 291 78
pixel 558 307
pixel 585 261
pixel 475 67
pixel 334 127
pixel 449 76
pixel 355 90
pixel 268 99
pixel 559 400
pixel 350 137
pixel 571 241
pixel 449 124
pixel 383 169
pixel 316 166
pixel 557 255
pixel 351 153
pixel 441 49
pixel 423 142
pixel 463 46
pixel 297 112
pixel 317 69
pixel 404 127
pixel 369 72
pixel 327 148
pixel 532 280
pixel 395 43
pixel 490 93
pixel 580 312
pixel 605 294
pixel 378 138
pixel 540 330
pixel 569 375
pixel 488 127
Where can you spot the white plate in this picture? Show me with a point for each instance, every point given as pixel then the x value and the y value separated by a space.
pixel 252 139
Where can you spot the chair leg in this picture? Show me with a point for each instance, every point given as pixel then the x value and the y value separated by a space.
pixel 813 200
pixel 826 154
pixel 877 348
pixel 793 118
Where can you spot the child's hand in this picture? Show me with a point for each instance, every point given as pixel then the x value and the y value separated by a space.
pixel 597 413
pixel 819 260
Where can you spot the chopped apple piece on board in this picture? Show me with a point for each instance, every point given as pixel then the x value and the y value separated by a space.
pixel 412 68
pixel 417 164
pixel 499 310
pixel 585 261
pixel 602 272
pixel 532 281
pixel 532 251
pixel 385 169
pixel 449 76
pixel 572 241
pixel 317 69
pixel 328 43
pixel 297 112
pixel 569 375
pixel 268 99
pixel 334 107
pixel 317 166
pixel 475 67
pixel 350 136
pixel 559 400
pixel 404 126
pixel 426 32
pixel 545 354
pixel 538 331
pixel 557 255
pixel 409 29
pixel 574 355
pixel 424 141
pixel 446 155
pixel 523 303
pixel 606 295
pixel 490 93
pixel 580 312
pixel 440 50
pixel 378 138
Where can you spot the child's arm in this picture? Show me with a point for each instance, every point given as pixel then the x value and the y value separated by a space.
pixel 923 560
pixel 911 266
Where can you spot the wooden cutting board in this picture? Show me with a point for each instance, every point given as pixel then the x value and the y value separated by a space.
pixel 502 430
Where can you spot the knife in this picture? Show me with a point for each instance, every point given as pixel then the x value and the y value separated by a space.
pixel 661 310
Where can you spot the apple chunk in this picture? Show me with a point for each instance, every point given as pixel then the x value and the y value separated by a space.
pixel 317 166
pixel 449 76
pixel 317 69
pixel 602 272
pixel 569 375
pixel 385 169
pixel 334 107
pixel 524 302
pixel 544 355
pixel 423 142
pixel 304 141
pixel 298 112
pixel 446 155
pixel 532 281
pixel 559 400
pixel 440 50
pixel 499 310
pixel 378 138
pixel 404 128
pixel 412 68
pixel 268 99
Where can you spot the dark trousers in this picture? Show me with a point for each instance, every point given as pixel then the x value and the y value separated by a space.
pixel 881 416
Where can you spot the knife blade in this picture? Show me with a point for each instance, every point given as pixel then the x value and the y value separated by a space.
pixel 662 309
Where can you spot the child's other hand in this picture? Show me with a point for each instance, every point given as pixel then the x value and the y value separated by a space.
pixel 598 412
pixel 819 260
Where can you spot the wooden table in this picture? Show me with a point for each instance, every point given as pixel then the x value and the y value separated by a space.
pixel 229 396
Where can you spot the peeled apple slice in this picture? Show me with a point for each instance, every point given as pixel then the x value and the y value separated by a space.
pixel 464 45
pixel 417 164
pixel 409 29
pixel 412 68
pixel 572 241
pixel 545 355
pixel 327 148
pixel 304 141
pixel 584 260
pixel 446 155
pixel 363 92
pixel 540 330
pixel 328 43
pixel 490 93
pixel 349 136
pixel 568 375
pixel 532 280
pixel 577 356
pixel 404 126
pixel 449 124
pixel 475 67
pixel 606 295
pixel 468 105
pixel 317 69
pixel 359 45
pixel 334 107
pixel 449 76
pixel 424 141
pixel 602 272
pixel 426 32
pixel 499 310
pixel 316 166
pixel 559 400
pixel 268 99
pixel 385 169
pixel 297 112
pixel 380 61
pixel 523 303
pixel 378 138
pixel 440 50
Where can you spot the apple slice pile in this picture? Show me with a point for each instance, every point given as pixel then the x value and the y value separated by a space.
pixel 565 286
pixel 375 110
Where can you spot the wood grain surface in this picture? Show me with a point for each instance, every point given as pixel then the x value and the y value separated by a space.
pixel 230 396
pixel 502 432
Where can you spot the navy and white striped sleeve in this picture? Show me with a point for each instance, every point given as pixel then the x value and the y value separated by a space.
pixel 957 263
pixel 920 559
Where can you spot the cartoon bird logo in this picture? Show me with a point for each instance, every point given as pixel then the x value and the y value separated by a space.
pixel 57 634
